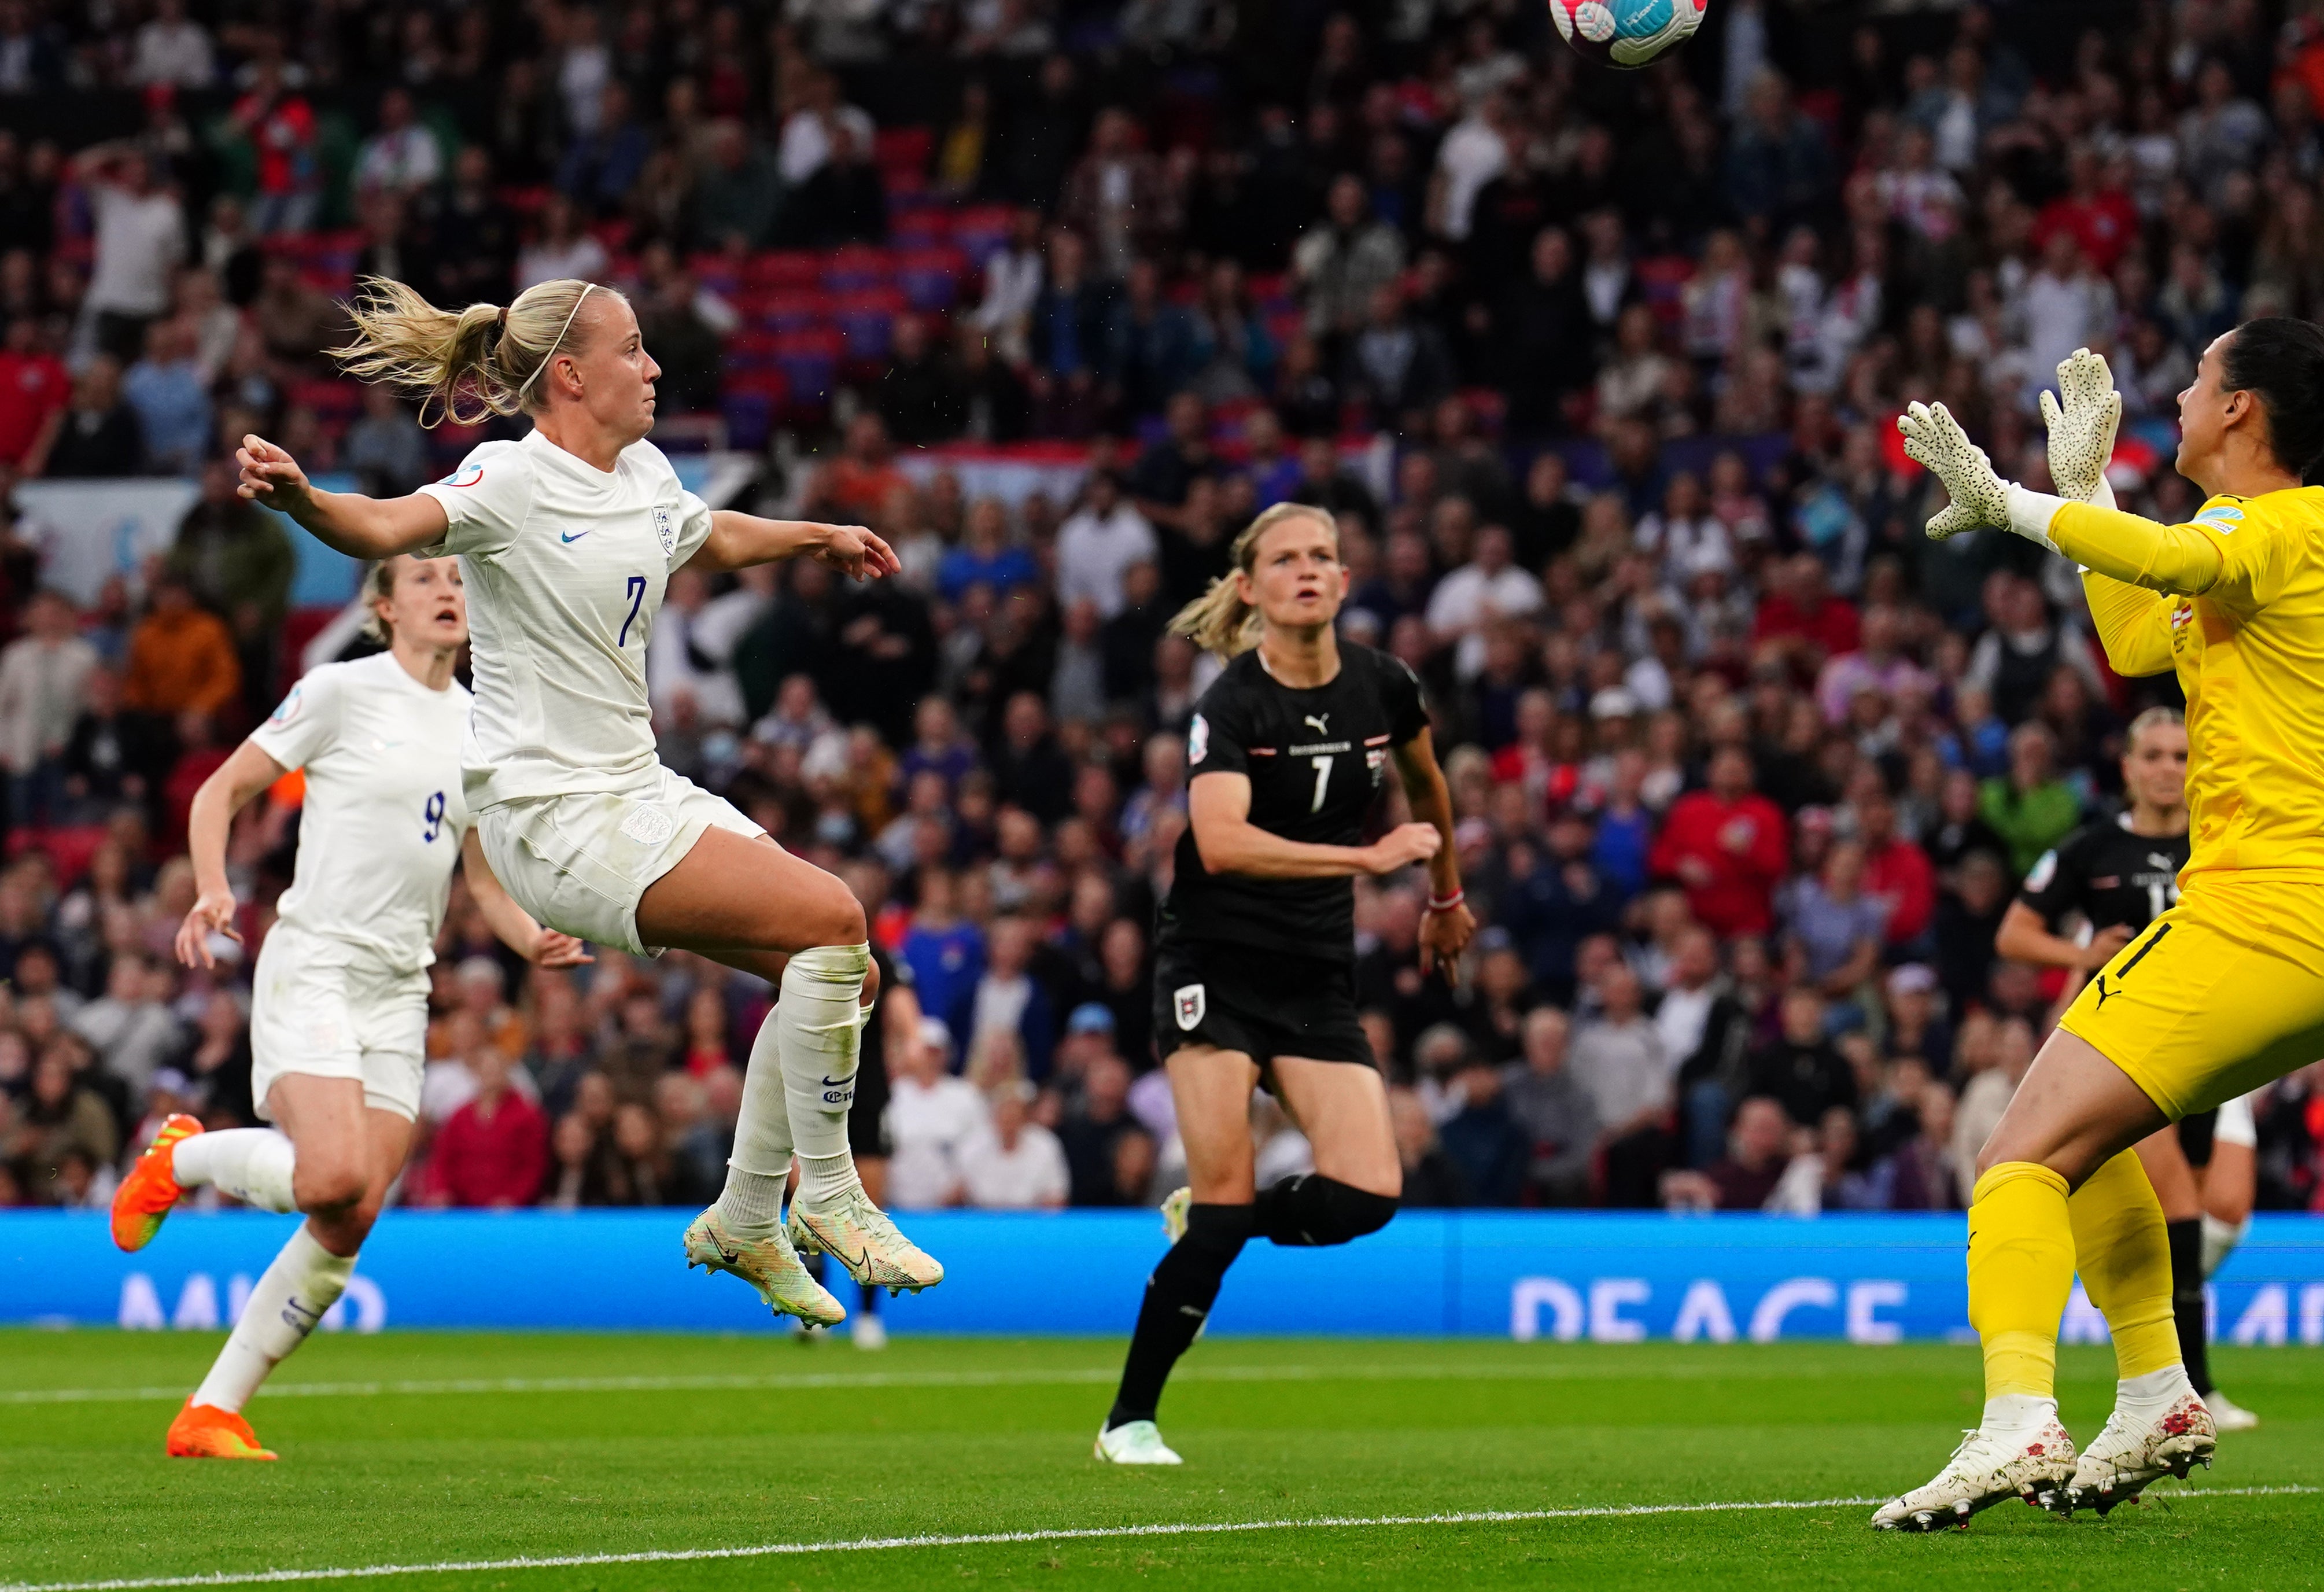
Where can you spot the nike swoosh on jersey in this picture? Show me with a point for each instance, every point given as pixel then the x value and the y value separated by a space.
pixel 568 541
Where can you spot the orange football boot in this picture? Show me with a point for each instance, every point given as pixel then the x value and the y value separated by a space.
pixel 204 1432
pixel 150 1189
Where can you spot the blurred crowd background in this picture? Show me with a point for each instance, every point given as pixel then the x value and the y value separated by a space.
pixel 1597 369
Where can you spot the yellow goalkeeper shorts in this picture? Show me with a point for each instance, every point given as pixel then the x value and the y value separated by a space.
pixel 2223 992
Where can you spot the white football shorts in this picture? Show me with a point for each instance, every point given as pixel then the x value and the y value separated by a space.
pixel 2235 1125
pixel 579 864
pixel 323 1008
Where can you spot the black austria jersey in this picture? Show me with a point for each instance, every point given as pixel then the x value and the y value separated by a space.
pixel 2108 875
pixel 1314 759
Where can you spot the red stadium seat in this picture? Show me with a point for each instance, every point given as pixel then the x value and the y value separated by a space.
pixel 783 270
pixel 857 267
pixel 983 231
pixel 931 278
pixel 790 309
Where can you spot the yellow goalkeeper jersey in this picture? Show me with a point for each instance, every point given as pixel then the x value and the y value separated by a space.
pixel 2240 618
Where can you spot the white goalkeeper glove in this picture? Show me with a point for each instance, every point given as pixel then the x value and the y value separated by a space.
pixel 2082 428
pixel 1979 496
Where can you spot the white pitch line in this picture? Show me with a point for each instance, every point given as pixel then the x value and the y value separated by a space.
pixel 780 1381
pixel 998 1538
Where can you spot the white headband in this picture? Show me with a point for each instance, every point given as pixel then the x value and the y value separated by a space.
pixel 560 343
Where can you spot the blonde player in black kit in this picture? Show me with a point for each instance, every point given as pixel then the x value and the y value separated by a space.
pixel 1255 945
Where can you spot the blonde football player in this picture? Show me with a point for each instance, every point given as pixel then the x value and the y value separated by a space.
pixel 2224 991
pixel 339 1010
pixel 567 540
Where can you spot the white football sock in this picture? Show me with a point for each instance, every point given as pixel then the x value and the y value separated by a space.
pixel 2016 1415
pixel 2151 1396
pixel 762 1162
pixel 305 1281
pixel 252 1165
pixel 820 1021
pixel 2220 1240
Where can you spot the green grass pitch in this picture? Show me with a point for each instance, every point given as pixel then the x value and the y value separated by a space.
pixel 425 1449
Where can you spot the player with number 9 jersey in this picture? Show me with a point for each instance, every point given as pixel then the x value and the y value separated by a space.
pixel 338 1016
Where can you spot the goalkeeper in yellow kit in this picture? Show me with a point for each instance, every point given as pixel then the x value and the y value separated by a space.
pixel 2222 992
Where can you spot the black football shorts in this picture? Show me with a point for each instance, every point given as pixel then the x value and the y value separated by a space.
pixel 1263 1002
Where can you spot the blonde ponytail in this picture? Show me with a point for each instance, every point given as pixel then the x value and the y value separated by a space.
pixel 473 363
pixel 1218 621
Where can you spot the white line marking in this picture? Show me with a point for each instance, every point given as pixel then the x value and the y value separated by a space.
pixel 993 1538
pixel 782 1381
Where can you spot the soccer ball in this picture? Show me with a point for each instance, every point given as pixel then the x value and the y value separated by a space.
pixel 1626 32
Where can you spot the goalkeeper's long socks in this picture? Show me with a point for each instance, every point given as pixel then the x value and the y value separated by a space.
pixel 2186 1303
pixel 251 1164
pixel 2123 1251
pixel 761 1164
pixel 1179 1300
pixel 304 1280
pixel 2021 1267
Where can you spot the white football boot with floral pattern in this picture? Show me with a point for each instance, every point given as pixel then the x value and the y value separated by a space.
pixel 1985 1471
pixel 2135 1450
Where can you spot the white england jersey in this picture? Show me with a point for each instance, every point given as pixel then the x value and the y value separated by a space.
pixel 384 814
pixel 565 566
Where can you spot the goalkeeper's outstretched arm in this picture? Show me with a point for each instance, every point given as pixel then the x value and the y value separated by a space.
pixel 2175 559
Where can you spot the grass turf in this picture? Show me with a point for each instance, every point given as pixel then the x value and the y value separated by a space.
pixel 819 1443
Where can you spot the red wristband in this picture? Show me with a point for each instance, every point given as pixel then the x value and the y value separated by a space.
pixel 1448 903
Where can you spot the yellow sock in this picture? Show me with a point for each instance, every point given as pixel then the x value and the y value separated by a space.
pixel 2021 1265
pixel 2124 1253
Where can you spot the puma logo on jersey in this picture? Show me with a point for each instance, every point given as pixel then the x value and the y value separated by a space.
pixel 1317 719
pixel 2105 994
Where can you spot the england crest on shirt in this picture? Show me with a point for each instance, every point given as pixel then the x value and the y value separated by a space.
pixel 666 529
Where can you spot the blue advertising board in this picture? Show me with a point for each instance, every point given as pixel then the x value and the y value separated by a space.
pixel 1604 1276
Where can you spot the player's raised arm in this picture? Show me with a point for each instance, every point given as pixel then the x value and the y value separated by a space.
pixel 347 521
pixel 208 821
pixel 1218 805
pixel 738 541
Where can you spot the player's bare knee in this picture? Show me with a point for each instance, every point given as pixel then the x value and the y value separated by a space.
pixel 830 915
pixel 327 1188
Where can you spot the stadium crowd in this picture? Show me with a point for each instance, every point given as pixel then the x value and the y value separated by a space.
pixel 1597 370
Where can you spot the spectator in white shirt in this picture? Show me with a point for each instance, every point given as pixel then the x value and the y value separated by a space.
pixel 1685 1010
pixel 1098 544
pixel 807 141
pixel 1014 1163
pixel 1013 280
pixel 43 674
pixel 141 237
pixel 403 156
pixel 173 49
pixel 2067 306
pixel 583 69
pixel 1476 151
pixel 1489 586
pixel 932 1116
pixel 563 249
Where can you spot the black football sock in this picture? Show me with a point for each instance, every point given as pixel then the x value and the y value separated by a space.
pixel 1179 1300
pixel 1312 1210
pixel 2187 1299
pixel 871 1292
